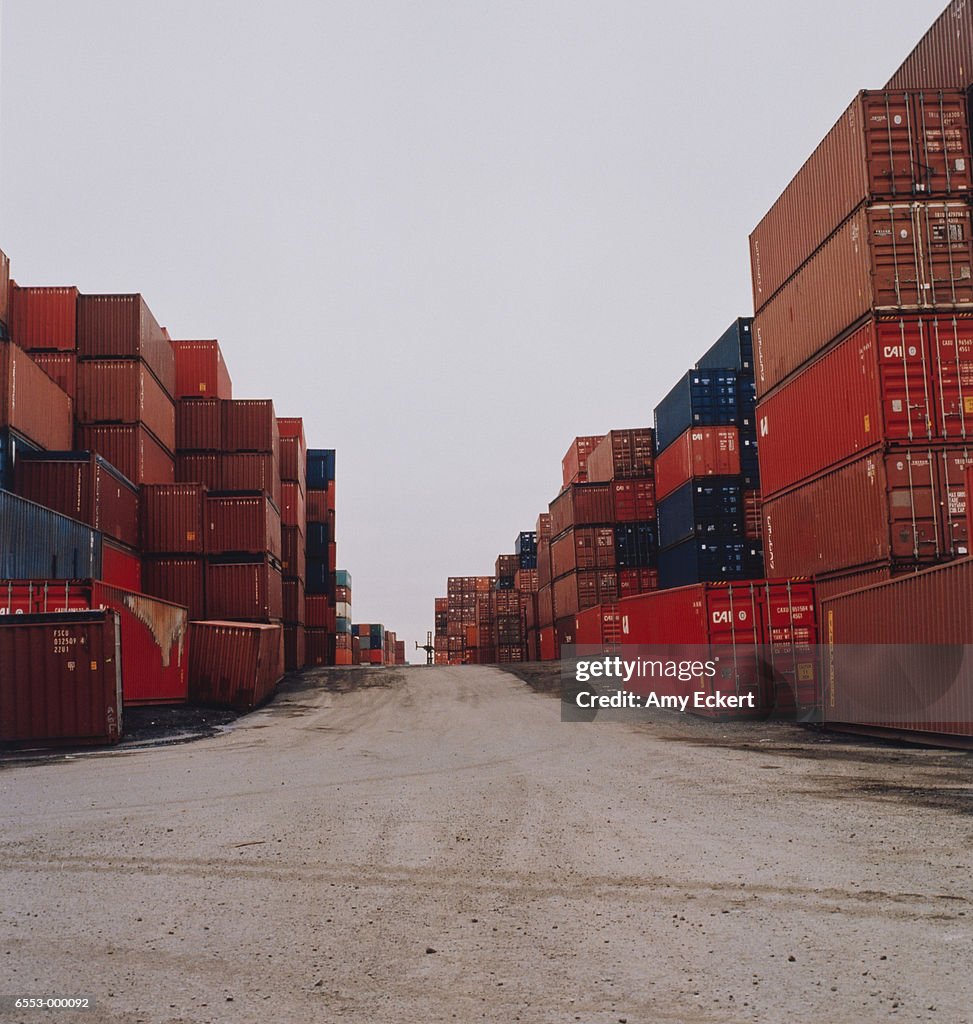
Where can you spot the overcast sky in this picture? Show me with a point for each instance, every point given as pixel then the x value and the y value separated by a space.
pixel 451 235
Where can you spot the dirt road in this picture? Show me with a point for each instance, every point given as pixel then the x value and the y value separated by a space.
pixel 443 848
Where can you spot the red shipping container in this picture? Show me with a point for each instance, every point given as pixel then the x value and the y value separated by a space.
pixel 249 425
pixel 525 580
pixel 131 449
pixel 121 566
pixel 293 557
pixel 60 679
pixel 125 391
pixel 316 611
pixel 584 589
pixel 293 511
pixel 247 471
pixel 31 403
pixel 201 468
pixel 200 370
pixel 942 57
pixel 179 580
pixel 547 642
pixel 316 506
pixel 543 526
pixel 244 590
pixel 294 601
pixel 637 581
pixel 599 625
pixel 61 367
pixel 583 547
pixel 173 518
pixel 242 524
pixel 622 455
pixel 199 425
pixel 574 465
pixel 4 288
pixel 234 664
pixel 332 557
pixel 82 486
pixel 752 515
pixel 700 452
pixel 633 501
pixel 581 505
pixel 316 647
pixel 110 326
pixel 840 583
pixel 44 317
pixel 896 259
pixel 295 648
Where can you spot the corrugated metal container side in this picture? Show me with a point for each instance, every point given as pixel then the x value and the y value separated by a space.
pixel 200 370
pixel 4 289
pixel 318 578
pixel 583 589
pixel 709 560
pixel 131 449
pixel 293 461
pixel 234 664
pixel 179 580
pixel 31 403
pixel 61 367
pixel 320 469
pixel 121 566
pixel 82 486
pixel 622 455
pixel 583 547
pixel 12 448
pixel 294 601
pixel 637 581
pixel 574 465
pixel 702 508
pixel 316 506
pixel 173 519
pixel 733 349
pixel 581 505
pixel 295 648
pixel 293 557
pixel 944 55
pixel 44 317
pixel 543 526
pixel 250 471
pixel 36 543
pixel 199 425
pixel 250 425
pixel 702 398
pixel 60 679
pixel 599 625
pixel 886 146
pixel 242 524
pixel 316 647
pixel 700 452
pixel 636 545
pixel 251 591
pixel 293 510
pixel 915 672
pixel 317 540
pixel 906 258
pixel 316 611
pixel 125 391
pixel 110 326
pixel 633 500
pixel 200 467
pixel 830 585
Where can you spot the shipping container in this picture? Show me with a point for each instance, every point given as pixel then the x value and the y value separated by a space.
pixel 31 403
pixel 125 391
pixel 316 612
pixel 713 559
pixel 699 452
pixel 318 578
pixel 251 590
pixel 582 589
pixel 180 580
pixel 4 294
pixel 599 626
pixel 200 370
pixel 242 524
pixel 61 367
pixel 732 350
pixel 633 500
pixel 316 506
pixel 12 448
pixel 831 584
pixel 234 664
pixel 636 545
pixel 293 511
pixel 295 648
pixel 131 449
pixel 574 465
pixel 205 468
pixel 44 317
pixel 293 553
pixel 121 566
pixel 712 508
pixel 60 679
pixel 173 518
pixel 294 601
pixel 37 543
pixel 320 468
pixel 250 471
pixel 249 425
pixel 702 398
pixel 199 425
pixel 637 581
pixel 583 547
pixel 942 57
pixel 622 455
pixel 581 505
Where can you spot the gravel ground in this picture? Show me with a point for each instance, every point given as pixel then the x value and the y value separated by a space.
pixel 425 845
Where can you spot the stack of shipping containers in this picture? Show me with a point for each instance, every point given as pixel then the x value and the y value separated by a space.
pixel 293 514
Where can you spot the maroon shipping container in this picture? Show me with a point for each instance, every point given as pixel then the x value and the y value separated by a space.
pixel 294 601
pixel 622 455
pixel 293 511
pixel 886 146
pixel 886 259
pixel 583 547
pixel 574 465
pixel 200 370
pixel 4 288
pixel 583 589
pixel 896 655
pixel 31 403
pixel 44 317
pixel 121 566
pixel 633 500
pixel 200 467
pixel 242 524
pixel 599 625
pixel 60 679
pixel 293 557
pixel 199 425
pixel 125 391
pixel 131 449
pixel 113 326
pixel 61 367
pixel 249 425
pixel 234 664
pixel 316 611
pixel 543 526
pixel 248 471
pixel 942 59
pixel 316 647
pixel 295 648
pixel 579 505
pixel 83 486
pixel 173 519
pixel 316 506
pixel 700 452
pixel 179 580
pixel 250 591
pixel 637 581
pixel 830 585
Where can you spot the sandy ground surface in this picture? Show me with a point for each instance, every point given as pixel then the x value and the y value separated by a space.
pixel 439 846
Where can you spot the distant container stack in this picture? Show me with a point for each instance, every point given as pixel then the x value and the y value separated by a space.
pixel 294 533
pixel 332 639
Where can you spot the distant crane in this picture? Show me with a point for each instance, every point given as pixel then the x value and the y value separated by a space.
pixel 427 647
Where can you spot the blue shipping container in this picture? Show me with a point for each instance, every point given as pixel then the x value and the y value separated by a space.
pixel 320 468
pixel 12 446
pixel 342 625
pixel 36 543
pixel 342 578
pixel 702 398
pixel 526 543
pixel 635 545
pixel 704 507
pixel 318 579
pixel 713 560
pixel 317 540
pixel 733 349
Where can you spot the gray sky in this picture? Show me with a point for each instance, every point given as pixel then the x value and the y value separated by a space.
pixel 451 235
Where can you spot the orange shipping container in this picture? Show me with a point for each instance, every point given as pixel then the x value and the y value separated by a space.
pixel 31 403
pixel 701 451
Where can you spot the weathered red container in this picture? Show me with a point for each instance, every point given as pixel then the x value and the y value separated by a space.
pixel 83 486
pixel 293 557
pixel 316 647
pixel 316 506
pixel 622 455
pixel 599 625
pixel 199 425
pixel 113 326
pixel 249 425
pixel 248 471
pixel 832 584
pixel 44 317
pixel 242 524
pixel 31 403
pixel 234 664
pixel 581 505
pixel 700 452
pixel 180 580
pixel 942 59
pixel 574 465
pixel 251 591
pixel 293 511
pixel 525 581
pixel 173 519
pixel 316 611
pixel 886 146
pixel 294 601
pixel 131 449
pixel 4 288
pixel 543 526
pixel 583 547
pixel 582 589
pixel 200 370
pixel 633 500
pixel 505 566
pixel 121 565
pixel 125 391
pixel 61 367
pixel 295 648
pixel 60 679
pixel 332 557
pixel 293 450
pixel 896 653
pixel 636 581
pixel 205 468
pixel 895 259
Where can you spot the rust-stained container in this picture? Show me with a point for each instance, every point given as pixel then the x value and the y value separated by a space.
pixel 43 317
pixel 131 449
pixel 234 664
pixel 122 326
pixel 293 511
pixel 173 519
pixel 633 500
pixel 295 648
pixel 886 146
pixel 944 56
pixel 700 452
pixel 31 403
pixel 249 425
pixel 121 565
pixel 294 601
pixel 574 465
pixel 583 589
pixel 199 425
pixel 83 486
pixel 200 370
pixel 180 580
pixel 242 524
pixel 61 367
pixel 205 468
pixel 125 391
pixel 583 547
pixel 897 653
pixel 60 679
pixel 4 289
pixel 250 590
pixel 581 505
pixel 892 259
pixel 293 557
pixel 622 455
pixel 251 471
